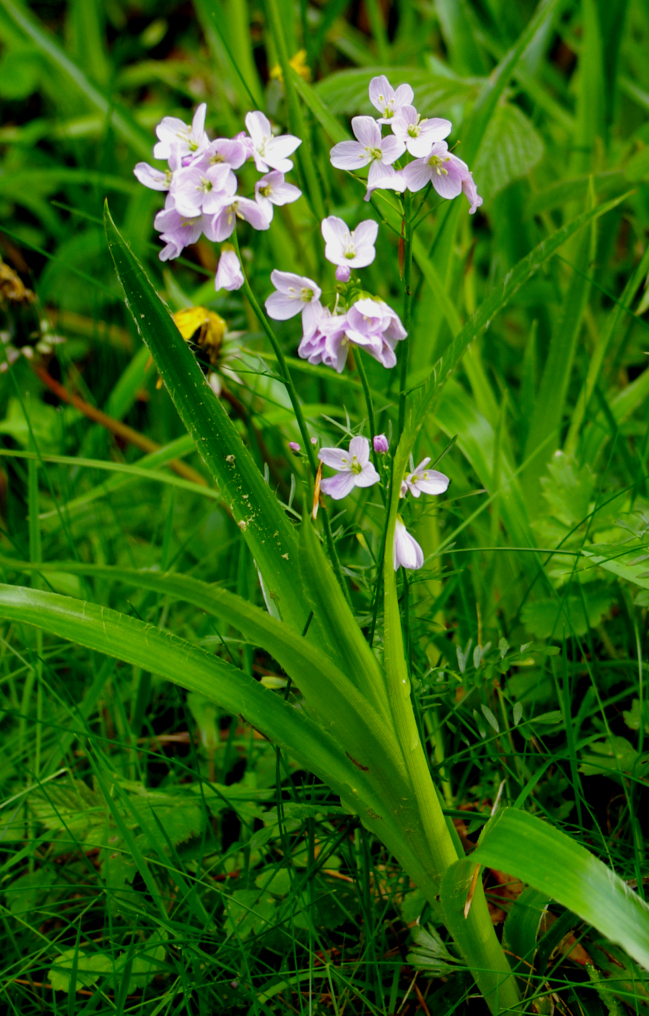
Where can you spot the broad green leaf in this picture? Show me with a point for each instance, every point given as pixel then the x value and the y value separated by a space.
pixel 476 940
pixel 566 615
pixel 511 147
pixel 547 859
pixel 144 645
pixel 522 927
pixel 90 967
pixel 253 505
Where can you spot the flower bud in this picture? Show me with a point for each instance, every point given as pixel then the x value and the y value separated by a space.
pixel 381 444
pixel 343 273
pixel 294 446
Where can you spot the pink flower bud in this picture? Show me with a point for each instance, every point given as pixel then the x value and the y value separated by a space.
pixel 343 273
pixel 294 446
pixel 314 440
pixel 381 444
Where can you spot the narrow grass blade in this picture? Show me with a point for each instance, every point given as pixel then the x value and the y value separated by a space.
pixel 138 138
pixel 552 862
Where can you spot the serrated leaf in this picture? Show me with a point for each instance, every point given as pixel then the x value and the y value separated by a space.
pixel 510 148
pixel 90 967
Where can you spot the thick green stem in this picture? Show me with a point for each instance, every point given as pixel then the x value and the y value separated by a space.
pixel 407 308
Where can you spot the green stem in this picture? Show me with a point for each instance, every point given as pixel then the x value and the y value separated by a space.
pixel 287 381
pixel 295 113
pixel 407 308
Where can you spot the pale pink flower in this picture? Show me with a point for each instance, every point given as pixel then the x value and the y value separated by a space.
pixel 471 191
pixel 407 551
pixel 270 152
pixel 375 326
pixel 231 151
pixel 355 249
pixel 354 468
pixel 387 99
pixel 155 179
pixel 202 187
pixel 381 444
pixel 425 481
pixel 228 272
pixel 294 294
pixel 370 149
pixel 343 273
pixel 389 178
pixel 178 231
pixel 419 134
pixel 272 189
pixel 239 208
pixel 172 132
pixel 441 168
pixel 294 446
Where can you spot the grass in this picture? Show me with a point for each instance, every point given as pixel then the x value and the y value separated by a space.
pixel 159 855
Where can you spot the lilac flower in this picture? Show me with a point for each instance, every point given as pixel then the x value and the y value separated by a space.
pixel 355 249
pixel 294 446
pixel 155 179
pixel 343 273
pixel 228 272
pixel 407 551
pixel 203 188
pixel 240 208
pixel 370 149
pixel 178 231
pixel 189 140
pixel 354 468
pixel 313 344
pixel 418 135
pixel 272 189
pixel 294 294
pixel 389 179
pixel 425 481
pixel 375 326
pixel 269 151
pixel 441 168
pixel 471 191
pixel 381 444
pixel 384 97
pixel 231 151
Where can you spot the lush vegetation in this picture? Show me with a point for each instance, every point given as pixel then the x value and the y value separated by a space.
pixel 178 833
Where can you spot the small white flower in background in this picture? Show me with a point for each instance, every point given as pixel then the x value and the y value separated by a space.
pixel 419 134
pixel 189 141
pixel 425 481
pixel 352 249
pixel 270 152
pixel 228 272
pixel 272 189
pixel 407 551
pixel 354 468
pixel 387 99
pixel 295 294
pixel 370 149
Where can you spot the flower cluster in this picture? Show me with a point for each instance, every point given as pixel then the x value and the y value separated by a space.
pixel 423 138
pixel 202 186
pixel 356 319
pixel 354 469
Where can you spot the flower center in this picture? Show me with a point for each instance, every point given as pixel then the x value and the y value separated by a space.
pixel 356 466
pixel 414 130
pixel 435 164
pixel 306 295
pixel 205 185
pixel 266 191
pixel 374 153
pixel 216 158
pixel 349 251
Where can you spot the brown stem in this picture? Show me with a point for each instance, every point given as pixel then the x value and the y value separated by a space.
pixel 116 427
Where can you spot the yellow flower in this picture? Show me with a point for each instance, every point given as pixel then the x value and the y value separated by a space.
pixel 299 65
